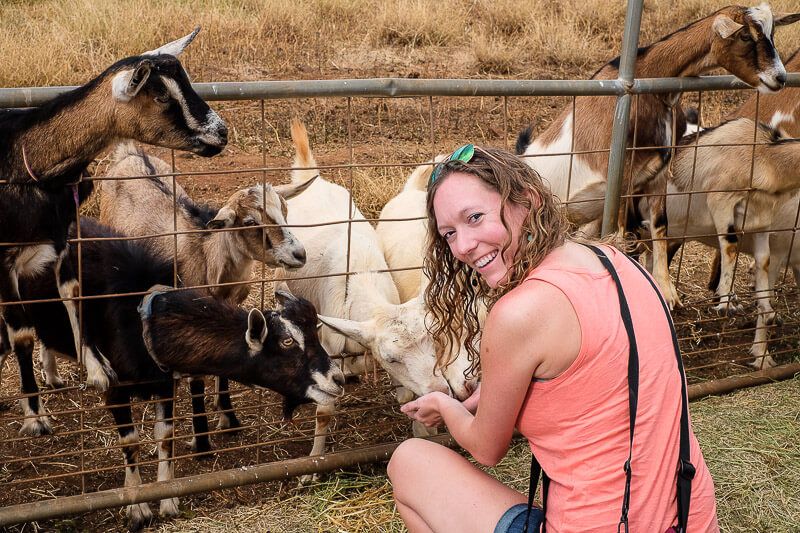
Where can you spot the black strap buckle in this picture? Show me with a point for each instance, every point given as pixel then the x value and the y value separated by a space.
pixel 686 470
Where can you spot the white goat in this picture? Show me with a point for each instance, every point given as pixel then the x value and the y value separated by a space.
pixel 362 309
pixel 403 242
pixel 736 38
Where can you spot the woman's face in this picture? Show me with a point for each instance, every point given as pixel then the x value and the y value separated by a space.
pixel 468 218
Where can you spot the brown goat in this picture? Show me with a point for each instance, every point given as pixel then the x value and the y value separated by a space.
pixel 736 38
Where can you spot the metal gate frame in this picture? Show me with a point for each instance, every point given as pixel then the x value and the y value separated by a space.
pixel 624 88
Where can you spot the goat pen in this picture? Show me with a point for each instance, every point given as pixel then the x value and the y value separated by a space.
pixel 68 472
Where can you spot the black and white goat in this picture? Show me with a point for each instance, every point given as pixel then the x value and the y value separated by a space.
pixel 44 153
pixel 147 340
pixel 141 207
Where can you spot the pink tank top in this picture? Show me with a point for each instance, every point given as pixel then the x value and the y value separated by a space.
pixel 578 423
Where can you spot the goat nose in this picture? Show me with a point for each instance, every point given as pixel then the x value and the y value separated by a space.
pixel 222 131
pixel 300 255
pixel 781 79
pixel 338 378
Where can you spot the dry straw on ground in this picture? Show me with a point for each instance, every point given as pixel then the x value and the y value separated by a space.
pixel 750 440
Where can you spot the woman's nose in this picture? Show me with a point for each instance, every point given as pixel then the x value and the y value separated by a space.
pixel 463 245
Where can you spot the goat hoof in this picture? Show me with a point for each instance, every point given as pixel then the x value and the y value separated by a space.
pixel 169 508
pixel 307 480
pixel 55 383
pixel 139 516
pixel 229 421
pixel 201 445
pixel 36 427
pixel 728 309
pixel 763 362
pixel 99 382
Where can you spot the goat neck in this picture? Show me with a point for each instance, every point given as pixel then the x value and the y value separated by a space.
pixel 368 292
pixel 60 147
pixel 225 261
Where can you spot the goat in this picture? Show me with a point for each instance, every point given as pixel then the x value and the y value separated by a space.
pixel 360 311
pixel 711 199
pixel 144 207
pixel 44 153
pixel 736 38
pixel 146 340
pixel 782 112
pixel 402 242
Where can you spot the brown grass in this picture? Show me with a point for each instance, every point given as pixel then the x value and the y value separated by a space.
pixel 57 43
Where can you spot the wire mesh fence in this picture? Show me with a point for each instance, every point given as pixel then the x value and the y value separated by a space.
pixel 369 143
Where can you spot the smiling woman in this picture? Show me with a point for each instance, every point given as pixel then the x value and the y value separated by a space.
pixel 554 363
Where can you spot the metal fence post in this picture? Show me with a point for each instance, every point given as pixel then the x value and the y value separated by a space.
pixel 619 134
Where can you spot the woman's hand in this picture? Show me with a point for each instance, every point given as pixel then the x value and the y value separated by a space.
pixel 471 403
pixel 427 409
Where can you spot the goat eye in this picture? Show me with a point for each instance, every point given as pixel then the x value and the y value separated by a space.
pixel 287 343
pixel 162 99
pixel 745 36
pixel 249 222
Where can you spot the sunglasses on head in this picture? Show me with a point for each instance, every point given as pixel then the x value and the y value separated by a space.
pixel 463 154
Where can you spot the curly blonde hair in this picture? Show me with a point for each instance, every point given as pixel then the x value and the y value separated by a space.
pixel 455 291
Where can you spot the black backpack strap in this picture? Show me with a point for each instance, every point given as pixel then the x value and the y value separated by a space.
pixel 633 380
pixel 686 469
pixel 536 470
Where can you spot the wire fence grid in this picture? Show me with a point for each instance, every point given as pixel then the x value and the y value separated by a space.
pixel 83 457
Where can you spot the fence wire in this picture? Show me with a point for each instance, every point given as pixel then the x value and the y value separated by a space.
pixel 83 456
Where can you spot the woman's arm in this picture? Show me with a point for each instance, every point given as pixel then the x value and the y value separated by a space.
pixel 530 331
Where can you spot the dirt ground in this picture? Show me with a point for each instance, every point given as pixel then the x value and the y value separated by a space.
pixel 370 133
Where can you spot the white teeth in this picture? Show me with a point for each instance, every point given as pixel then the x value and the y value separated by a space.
pixel 485 260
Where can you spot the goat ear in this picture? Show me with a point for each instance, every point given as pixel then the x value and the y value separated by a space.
pixel 175 47
pixel 283 295
pixel 782 19
pixel 224 219
pixel 128 83
pixel 361 332
pixel 290 190
pixel 726 26
pixel 256 330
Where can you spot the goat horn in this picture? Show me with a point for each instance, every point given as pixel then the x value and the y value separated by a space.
pixel 27 166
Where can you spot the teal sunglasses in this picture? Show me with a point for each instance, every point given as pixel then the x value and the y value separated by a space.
pixel 463 154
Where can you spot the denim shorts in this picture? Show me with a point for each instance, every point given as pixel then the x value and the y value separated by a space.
pixel 514 520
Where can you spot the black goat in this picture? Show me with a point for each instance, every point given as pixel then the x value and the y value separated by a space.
pixel 44 154
pixel 145 340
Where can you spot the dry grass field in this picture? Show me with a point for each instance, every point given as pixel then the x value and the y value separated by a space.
pixel 750 438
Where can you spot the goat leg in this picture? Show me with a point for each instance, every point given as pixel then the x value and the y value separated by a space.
pixel 201 442
pixel 5 351
pixel 222 399
pixel 139 514
pixel 322 422
pixel 766 314
pixel 164 432
pixel 656 202
pixel 19 332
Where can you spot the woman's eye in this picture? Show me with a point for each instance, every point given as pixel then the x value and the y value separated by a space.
pixel 474 217
pixel 448 234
